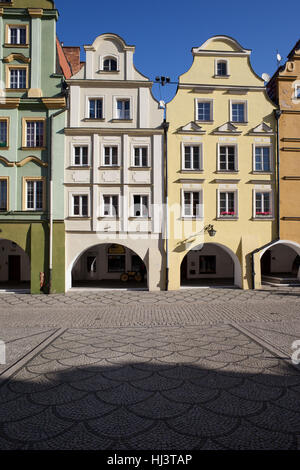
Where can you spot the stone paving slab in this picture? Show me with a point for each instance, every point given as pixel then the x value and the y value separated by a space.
pixel 167 387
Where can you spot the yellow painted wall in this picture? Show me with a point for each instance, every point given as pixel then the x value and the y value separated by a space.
pixel 243 235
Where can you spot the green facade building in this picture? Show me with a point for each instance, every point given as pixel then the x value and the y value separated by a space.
pixel 32 119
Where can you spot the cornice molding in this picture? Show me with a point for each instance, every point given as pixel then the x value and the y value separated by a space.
pixel 107 131
pixel 9 103
pixel 35 12
pixel 16 56
pixel 95 82
pixel 54 103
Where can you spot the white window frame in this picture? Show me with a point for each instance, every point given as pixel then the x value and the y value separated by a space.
pixel 18 28
pixel 270 157
pixel 79 194
pixel 245 103
pixel 34 181
pixel 236 167
pixel 192 191
pixel 268 216
pixel 148 205
pixel 109 56
pixel 115 109
pixel 88 98
pixel 110 145
pixel 236 208
pixel 216 68
pixel 111 214
pixel 211 109
pixel 140 146
pixel 18 70
pixel 80 145
pixel 192 144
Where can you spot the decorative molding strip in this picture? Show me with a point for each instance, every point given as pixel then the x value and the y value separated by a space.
pixel 115 132
pixel 9 103
pixel 226 181
pixel 6 162
pixel 32 159
pixel 290 139
pixel 291 218
pixel 290 149
pixel 35 12
pixel 295 178
pixel 54 103
pixel 261 182
pixel 16 56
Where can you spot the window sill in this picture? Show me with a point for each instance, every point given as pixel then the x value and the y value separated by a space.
pixel 221 76
pixel 262 173
pixel 79 167
pixel 110 72
pixel 263 218
pixel 111 167
pixel 93 119
pixel 78 217
pixel 204 122
pixel 239 123
pixel 139 168
pixel 191 217
pixel 16 90
pixel 227 218
pixel 139 218
pixel 33 148
pixel 191 171
pixel 13 46
pixel 33 211
pixel 226 172
pixel 4 148
pixel 109 217
pixel 121 120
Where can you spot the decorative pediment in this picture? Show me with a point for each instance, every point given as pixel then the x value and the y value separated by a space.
pixel 191 128
pixel 227 128
pixel 32 159
pixel 5 161
pixel 262 129
pixel 19 57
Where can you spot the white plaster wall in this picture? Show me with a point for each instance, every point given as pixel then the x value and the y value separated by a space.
pixel 282 258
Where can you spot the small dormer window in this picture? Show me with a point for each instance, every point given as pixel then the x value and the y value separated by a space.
pixel 222 68
pixel 110 65
pixel 297 92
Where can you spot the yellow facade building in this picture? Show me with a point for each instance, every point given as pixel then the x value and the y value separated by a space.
pixel 221 170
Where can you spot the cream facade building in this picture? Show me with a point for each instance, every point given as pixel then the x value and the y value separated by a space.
pixel 113 170
pixel 221 170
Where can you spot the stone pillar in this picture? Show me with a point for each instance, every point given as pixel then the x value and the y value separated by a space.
pixel 35 90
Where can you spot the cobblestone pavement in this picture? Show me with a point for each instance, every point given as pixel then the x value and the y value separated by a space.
pixel 193 369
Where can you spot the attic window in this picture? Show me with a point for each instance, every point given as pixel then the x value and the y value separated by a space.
pixel 110 65
pixel 221 68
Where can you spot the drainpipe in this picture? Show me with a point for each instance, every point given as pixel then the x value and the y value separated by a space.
pixel 277 113
pixel 166 127
pixel 51 193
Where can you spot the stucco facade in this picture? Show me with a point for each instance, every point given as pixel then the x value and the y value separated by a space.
pixel 30 94
pixel 114 163
pixel 221 167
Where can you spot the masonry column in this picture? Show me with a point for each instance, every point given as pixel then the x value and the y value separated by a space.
pixel 89 68
pixel 2 84
pixel 94 188
pixel 35 90
pixel 126 202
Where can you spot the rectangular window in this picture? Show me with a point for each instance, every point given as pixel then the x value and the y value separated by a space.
pixel 34 134
pixel 111 206
pixel 192 157
pixel 116 263
pixel 81 155
pixel 262 159
pixel 207 264
pixel 263 204
pixel 34 195
pixel 3 195
pixel 96 108
pixel 17 35
pixel 238 112
pixel 140 156
pixel 191 204
pixel 297 92
pixel 111 156
pixel 204 111
pixel 123 109
pixel 3 133
pixel 227 158
pixel 221 68
pixel 80 205
pixel 140 206
pixel 227 204
pixel 18 78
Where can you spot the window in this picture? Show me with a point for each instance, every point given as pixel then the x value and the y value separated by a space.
pixel 111 206
pixel 18 78
pixel 192 157
pixel 227 158
pixel 34 195
pixel 263 204
pixel 111 156
pixel 191 204
pixel 207 264
pixel 35 134
pixel 221 68
pixel 123 109
pixel 3 194
pixel 140 206
pixel 81 155
pixel 17 35
pixel 227 204
pixel 262 159
pixel 96 108
pixel 3 133
pixel 204 111
pixel 238 112
pixel 116 263
pixel 80 205
pixel 110 65
pixel 140 156
pixel 297 92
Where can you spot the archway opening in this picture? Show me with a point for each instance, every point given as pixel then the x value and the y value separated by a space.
pixel 109 266
pixel 210 265
pixel 280 264
pixel 14 267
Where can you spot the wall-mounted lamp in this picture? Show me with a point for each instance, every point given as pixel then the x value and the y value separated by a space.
pixel 210 230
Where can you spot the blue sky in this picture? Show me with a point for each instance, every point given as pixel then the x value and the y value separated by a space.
pixel 165 31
